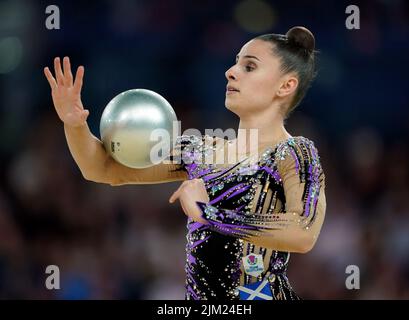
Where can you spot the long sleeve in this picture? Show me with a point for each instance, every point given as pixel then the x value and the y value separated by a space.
pixel 184 151
pixel 191 153
pixel 297 227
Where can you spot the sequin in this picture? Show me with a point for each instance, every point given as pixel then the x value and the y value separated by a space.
pixel 214 251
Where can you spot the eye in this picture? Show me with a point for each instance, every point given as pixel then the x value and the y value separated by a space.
pixel 249 68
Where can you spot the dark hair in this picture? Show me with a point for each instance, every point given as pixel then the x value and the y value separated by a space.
pixel 297 54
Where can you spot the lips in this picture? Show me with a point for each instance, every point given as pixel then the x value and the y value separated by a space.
pixel 231 89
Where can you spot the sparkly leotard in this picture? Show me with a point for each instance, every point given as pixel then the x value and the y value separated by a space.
pixel 283 189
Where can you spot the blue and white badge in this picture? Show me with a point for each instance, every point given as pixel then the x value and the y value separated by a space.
pixel 256 291
pixel 253 264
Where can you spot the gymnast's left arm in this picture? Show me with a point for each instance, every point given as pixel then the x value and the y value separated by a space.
pixel 297 228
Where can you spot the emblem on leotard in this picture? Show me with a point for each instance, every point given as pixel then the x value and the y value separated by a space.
pixel 253 264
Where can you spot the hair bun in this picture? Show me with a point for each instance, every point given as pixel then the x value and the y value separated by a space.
pixel 302 37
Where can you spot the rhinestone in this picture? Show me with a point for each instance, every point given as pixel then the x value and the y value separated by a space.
pixel 272 278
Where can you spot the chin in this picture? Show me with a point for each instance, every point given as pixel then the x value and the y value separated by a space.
pixel 234 107
pixel 230 107
pixel 230 104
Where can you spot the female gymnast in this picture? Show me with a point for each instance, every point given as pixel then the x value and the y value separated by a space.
pixel 244 218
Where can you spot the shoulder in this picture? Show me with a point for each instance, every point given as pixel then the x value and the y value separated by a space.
pixel 296 146
pixel 299 152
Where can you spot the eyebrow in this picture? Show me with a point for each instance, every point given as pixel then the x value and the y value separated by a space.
pixel 249 57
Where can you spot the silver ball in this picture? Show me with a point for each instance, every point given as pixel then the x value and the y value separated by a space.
pixel 127 125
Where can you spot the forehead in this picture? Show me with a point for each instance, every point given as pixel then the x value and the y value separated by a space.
pixel 258 48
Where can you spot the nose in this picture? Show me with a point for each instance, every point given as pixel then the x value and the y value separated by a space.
pixel 230 74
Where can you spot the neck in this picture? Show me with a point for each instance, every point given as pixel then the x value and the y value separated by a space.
pixel 260 131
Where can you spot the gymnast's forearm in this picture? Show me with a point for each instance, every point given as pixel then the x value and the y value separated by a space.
pixel 291 232
pixel 293 239
pixel 88 152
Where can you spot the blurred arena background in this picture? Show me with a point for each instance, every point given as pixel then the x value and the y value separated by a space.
pixel 127 242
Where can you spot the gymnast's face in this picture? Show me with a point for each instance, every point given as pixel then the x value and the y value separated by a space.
pixel 253 82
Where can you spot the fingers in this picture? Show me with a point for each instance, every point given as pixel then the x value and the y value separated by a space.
pixel 67 72
pixel 78 79
pixel 58 72
pixel 176 194
pixel 50 78
pixel 85 115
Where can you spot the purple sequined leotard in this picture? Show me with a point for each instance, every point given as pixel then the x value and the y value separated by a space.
pixel 283 189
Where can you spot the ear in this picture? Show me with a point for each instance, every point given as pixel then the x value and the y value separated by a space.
pixel 288 86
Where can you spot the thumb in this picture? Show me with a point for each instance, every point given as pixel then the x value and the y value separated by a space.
pixel 84 115
pixel 176 194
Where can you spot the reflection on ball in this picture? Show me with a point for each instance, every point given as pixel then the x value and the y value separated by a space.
pixel 128 122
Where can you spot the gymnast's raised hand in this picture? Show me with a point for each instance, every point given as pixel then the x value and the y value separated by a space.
pixel 66 93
